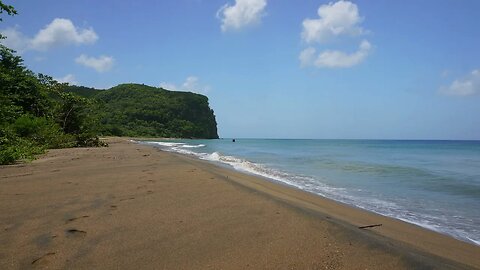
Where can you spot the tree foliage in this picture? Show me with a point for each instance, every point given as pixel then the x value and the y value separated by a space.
pixel 36 114
pixel 140 110
pixel 10 10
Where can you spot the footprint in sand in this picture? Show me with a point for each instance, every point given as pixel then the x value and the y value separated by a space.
pixel 113 207
pixel 127 199
pixel 150 192
pixel 75 233
pixel 75 218
pixel 70 183
pixel 43 259
pixel 44 240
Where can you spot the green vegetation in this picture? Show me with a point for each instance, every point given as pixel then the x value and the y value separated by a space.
pixel 38 113
pixel 139 110
pixel 35 114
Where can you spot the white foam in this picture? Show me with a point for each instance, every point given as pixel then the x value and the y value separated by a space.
pixel 317 186
pixel 477 242
pixel 193 146
pixel 167 144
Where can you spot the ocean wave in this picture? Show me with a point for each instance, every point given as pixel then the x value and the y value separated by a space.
pixel 250 167
pixel 193 146
pixel 166 144
pixel 318 186
pixel 477 242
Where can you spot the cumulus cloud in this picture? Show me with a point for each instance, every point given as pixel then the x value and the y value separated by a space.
pixel 100 64
pixel 307 56
pixel 243 13
pixel 15 39
pixel 466 86
pixel 62 32
pixel 339 59
pixel 335 19
pixel 59 32
pixel 69 78
pixel 333 58
pixel 191 84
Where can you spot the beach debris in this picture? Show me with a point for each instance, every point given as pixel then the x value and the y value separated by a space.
pixel 370 226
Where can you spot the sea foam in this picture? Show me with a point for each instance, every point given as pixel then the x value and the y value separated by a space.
pixel 317 184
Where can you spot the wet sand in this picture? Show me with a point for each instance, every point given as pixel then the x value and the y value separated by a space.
pixel 133 207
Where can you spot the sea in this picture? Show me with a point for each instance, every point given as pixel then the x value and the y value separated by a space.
pixel 433 184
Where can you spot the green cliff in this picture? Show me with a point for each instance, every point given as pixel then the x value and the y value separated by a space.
pixel 141 110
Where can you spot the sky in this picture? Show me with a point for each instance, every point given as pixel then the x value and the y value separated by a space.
pixel 382 69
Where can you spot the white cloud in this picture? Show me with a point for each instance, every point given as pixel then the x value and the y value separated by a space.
pixel 466 86
pixel 339 59
pixel 336 19
pixel 169 86
pixel 243 13
pixel 69 78
pixel 191 84
pixel 100 64
pixel 307 56
pixel 60 32
pixel 15 39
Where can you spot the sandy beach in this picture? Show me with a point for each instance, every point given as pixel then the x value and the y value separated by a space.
pixel 130 206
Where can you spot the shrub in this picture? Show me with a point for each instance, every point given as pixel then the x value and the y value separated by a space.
pixel 13 147
pixel 43 131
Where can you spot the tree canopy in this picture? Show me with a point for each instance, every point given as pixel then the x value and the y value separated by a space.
pixel 35 112
pixel 141 110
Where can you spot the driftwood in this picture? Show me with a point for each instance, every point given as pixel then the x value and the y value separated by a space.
pixel 369 226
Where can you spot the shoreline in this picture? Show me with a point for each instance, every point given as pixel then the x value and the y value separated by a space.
pixel 348 215
pixel 132 205
pixel 285 181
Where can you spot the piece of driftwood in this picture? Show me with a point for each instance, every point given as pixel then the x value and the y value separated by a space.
pixel 369 226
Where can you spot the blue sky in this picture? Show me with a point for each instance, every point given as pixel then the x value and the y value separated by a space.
pixel 275 69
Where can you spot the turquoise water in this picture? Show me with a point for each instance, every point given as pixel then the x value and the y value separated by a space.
pixel 434 184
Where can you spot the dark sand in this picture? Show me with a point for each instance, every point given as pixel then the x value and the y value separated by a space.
pixel 133 207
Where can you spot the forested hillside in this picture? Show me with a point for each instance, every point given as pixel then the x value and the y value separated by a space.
pixel 140 110
pixel 38 113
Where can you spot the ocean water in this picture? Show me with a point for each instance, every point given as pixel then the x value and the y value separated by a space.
pixel 434 184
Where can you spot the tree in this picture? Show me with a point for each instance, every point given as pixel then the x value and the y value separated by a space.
pixel 10 10
pixel 35 112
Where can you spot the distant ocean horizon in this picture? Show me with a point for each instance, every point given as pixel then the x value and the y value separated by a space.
pixel 431 183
